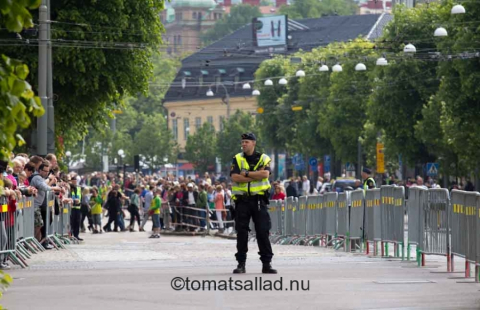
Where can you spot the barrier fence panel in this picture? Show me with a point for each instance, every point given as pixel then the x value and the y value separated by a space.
pixel 312 210
pixel 299 216
pixel 8 233
pixel 436 230
pixel 399 214
pixel 288 215
pixel 321 219
pixel 458 223
pixel 387 213
pixel 356 214
pixel 471 226
pixel 417 198
pixel 342 215
pixel 329 203
pixel 275 211
pixel 373 218
pixel 477 240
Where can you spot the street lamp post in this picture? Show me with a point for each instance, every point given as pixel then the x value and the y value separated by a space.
pixel 121 153
pixel 68 154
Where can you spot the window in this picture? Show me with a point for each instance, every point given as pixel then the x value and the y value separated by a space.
pixel 210 120
pixel 198 123
pixel 179 40
pixel 221 119
pixel 186 128
pixel 194 15
pixel 178 16
pixel 175 128
pixel 199 15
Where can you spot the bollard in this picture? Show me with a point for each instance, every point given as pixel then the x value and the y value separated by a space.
pixel 408 252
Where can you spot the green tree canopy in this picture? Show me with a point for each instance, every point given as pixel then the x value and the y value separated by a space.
pixel 228 140
pixel 200 149
pixel 18 102
pixel 101 53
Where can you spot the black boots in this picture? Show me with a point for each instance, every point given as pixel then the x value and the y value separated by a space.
pixel 240 268
pixel 267 268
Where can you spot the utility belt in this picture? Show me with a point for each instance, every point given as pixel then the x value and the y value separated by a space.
pixel 77 207
pixel 253 198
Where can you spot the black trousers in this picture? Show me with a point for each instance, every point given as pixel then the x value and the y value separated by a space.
pixel 86 214
pixel 134 214
pixel 245 210
pixel 75 221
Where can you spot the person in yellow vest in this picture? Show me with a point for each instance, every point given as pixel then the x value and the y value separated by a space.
pixel 76 216
pixel 368 181
pixel 250 192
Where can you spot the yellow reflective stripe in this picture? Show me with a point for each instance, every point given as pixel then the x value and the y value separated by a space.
pixel 4 208
pixel 65 210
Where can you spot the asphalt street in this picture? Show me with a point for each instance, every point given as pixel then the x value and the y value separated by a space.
pixel 129 271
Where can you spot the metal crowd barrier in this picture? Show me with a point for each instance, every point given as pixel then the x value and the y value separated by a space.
pixel 343 220
pixel 357 204
pixel 373 227
pixel 465 225
pixel 435 224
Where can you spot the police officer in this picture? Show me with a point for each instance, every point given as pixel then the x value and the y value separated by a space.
pixel 250 191
pixel 76 216
pixel 368 181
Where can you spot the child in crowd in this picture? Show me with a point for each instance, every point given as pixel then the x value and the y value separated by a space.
pixel 155 213
pixel 96 203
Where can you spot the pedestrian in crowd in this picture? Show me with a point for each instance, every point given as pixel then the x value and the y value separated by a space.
pixel 146 206
pixel 312 191
pixel 155 213
pixel 96 203
pixel 319 184
pixel 114 207
pixel 165 212
pixel 133 208
pixel 419 183
pixel 305 185
pixel 202 203
pixel 190 196
pixel 228 205
pixel 469 187
pixel 291 189
pixel 250 171
pixel 220 208
pixel 279 193
pixel 86 210
pixel 368 181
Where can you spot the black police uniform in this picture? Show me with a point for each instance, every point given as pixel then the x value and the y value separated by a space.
pixel 254 207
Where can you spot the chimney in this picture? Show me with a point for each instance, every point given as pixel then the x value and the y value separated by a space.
pixel 279 3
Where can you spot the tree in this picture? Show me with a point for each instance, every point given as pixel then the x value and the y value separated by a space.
pixel 200 149
pixel 154 141
pixel 164 70
pixel 239 16
pixel 101 54
pixel 403 87
pixel 315 8
pixel 17 99
pixel 228 140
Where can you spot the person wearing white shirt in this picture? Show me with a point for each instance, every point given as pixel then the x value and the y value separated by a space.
pixel 305 185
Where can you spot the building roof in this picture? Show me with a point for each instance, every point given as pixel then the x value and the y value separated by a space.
pixel 232 59
pixel 194 3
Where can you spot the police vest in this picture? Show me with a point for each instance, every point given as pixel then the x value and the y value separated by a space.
pixel 77 195
pixel 255 187
pixel 365 185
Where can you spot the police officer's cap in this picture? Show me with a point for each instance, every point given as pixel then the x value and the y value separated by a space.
pixel 367 170
pixel 249 136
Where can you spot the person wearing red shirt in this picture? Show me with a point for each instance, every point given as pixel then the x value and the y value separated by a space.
pixel 279 193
